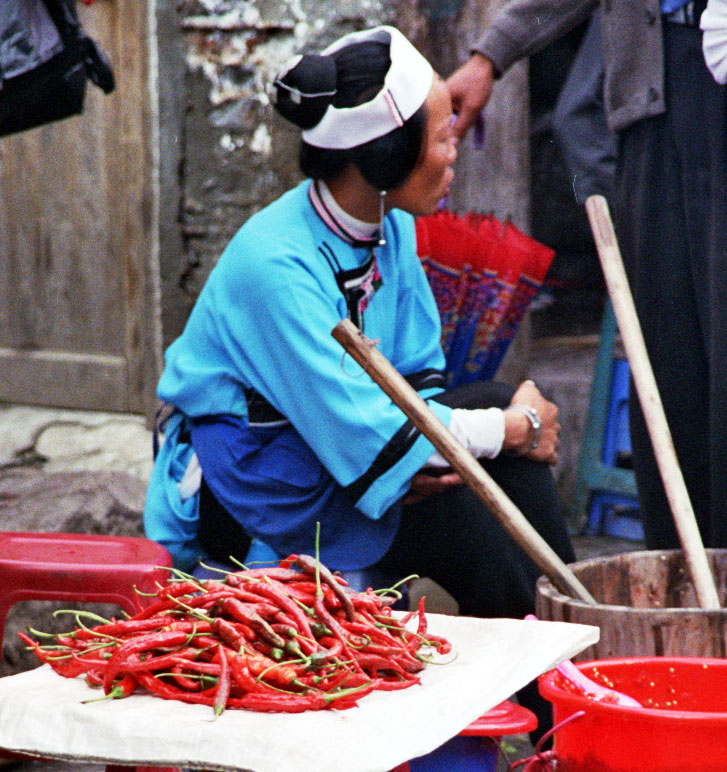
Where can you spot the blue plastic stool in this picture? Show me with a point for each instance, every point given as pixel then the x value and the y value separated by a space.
pixel 613 513
pixel 604 491
pixel 617 439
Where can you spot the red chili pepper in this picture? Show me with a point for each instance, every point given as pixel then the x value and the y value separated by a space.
pixel 223 684
pixel 192 625
pixel 87 663
pixel 273 702
pixel 170 692
pixel 123 687
pixel 442 645
pixel 229 633
pixel 375 633
pixel 242 613
pixel 136 646
pixel 158 662
pixel 334 647
pixel 345 644
pixel 177 589
pixel 276 593
pixel 94 677
pixel 195 666
pixel 63 664
pixel 257 604
pixel 375 663
pixel 336 630
pixel 176 603
pixel 422 627
pixel 278 673
pixel 409 663
pixel 315 568
pixel 390 685
pixel 280 574
pixel 240 672
pixel 287 562
pixel 300 594
pixel 345 677
pixel 123 627
pixel 281 703
pixel 184 682
pixel 289 606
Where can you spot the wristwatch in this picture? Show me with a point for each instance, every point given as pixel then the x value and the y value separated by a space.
pixel 532 415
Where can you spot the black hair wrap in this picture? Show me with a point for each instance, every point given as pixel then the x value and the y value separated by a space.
pixel 304 91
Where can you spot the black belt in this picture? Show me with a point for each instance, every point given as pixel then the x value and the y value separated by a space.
pixel 261 412
pixel 688 15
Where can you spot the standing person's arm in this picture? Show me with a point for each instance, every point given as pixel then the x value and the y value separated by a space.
pixel 520 28
pixel 714 42
pixel 579 121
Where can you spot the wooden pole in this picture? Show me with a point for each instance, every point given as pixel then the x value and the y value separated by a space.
pixel 461 460
pixel 651 405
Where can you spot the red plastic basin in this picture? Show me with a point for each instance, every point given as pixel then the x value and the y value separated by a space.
pixel 682 726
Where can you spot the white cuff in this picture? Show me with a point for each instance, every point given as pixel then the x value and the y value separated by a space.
pixel 482 432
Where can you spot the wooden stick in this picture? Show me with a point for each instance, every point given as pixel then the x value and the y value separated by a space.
pixel 461 460
pixel 651 405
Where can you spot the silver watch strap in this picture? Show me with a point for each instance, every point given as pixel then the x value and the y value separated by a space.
pixel 532 415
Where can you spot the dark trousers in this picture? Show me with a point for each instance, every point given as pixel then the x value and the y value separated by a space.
pixel 671 217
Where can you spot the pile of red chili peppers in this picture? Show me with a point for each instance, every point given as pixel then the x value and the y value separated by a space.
pixel 288 638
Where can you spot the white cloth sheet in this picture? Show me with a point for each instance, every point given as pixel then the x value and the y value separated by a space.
pixel 42 713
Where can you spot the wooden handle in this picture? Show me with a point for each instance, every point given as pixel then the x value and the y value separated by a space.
pixel 651 405
pixel 461 460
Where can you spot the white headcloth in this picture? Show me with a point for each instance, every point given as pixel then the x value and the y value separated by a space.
pixel 406 87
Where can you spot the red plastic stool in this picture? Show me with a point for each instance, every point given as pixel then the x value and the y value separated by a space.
pixel 85 568
pixel 472 750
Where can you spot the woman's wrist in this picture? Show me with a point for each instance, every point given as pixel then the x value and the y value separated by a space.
pixel 520 431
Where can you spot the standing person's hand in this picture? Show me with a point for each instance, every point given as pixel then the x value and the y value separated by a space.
pixel 521 436
pixel 470 87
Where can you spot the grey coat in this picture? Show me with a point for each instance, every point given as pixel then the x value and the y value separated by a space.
pixel 631 39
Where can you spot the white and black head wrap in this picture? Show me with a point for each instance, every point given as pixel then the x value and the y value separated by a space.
pixel 306 90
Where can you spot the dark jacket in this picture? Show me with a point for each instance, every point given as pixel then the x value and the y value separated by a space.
pixel 631 39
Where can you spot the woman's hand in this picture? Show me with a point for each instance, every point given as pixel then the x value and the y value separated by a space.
pixel 423 485
pixel 470 87
pixel 519 431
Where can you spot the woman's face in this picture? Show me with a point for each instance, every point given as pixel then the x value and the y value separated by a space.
pixel 425 187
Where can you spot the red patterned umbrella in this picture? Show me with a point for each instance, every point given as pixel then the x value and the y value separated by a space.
pixel 484 274
pixel 444 246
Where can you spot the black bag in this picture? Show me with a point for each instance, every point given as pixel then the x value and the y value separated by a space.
pixel 56 88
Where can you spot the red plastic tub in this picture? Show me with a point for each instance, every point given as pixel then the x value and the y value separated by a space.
pixel 473 750
pixel 682 726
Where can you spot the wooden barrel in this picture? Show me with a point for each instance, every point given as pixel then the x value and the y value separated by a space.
pixel 646 606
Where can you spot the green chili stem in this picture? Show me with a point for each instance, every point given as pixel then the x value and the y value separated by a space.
pixel 81 613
